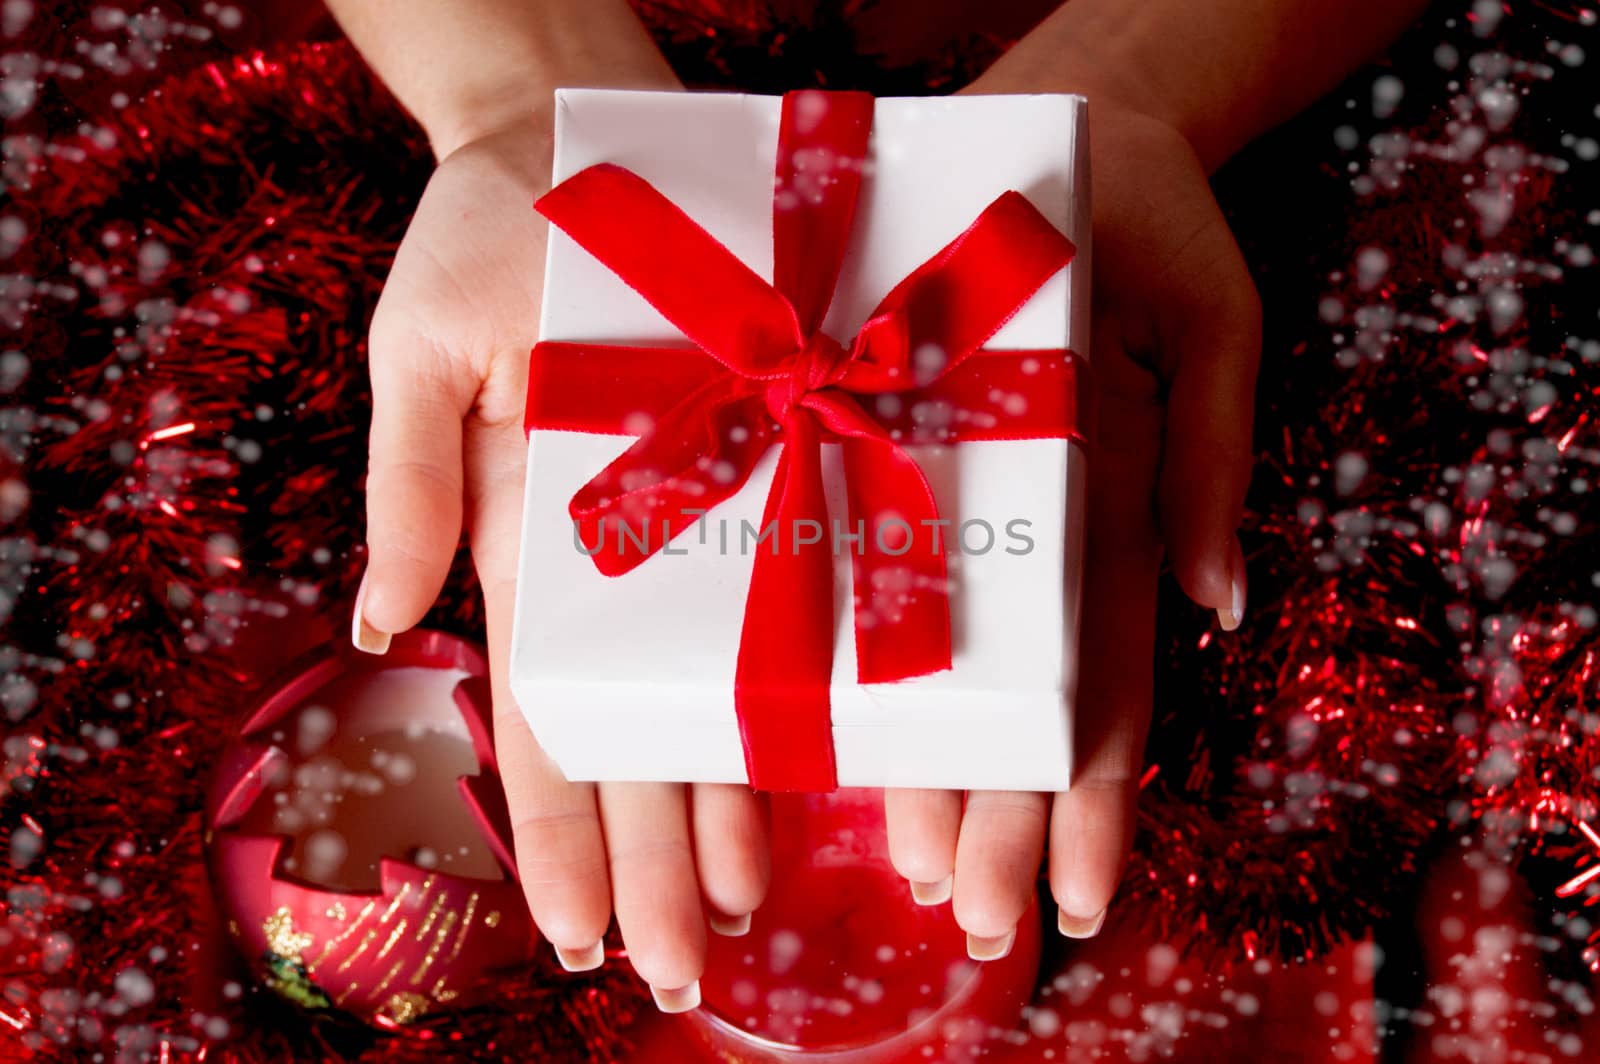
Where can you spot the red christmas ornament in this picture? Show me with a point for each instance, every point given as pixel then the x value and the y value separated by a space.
pixel 358 838
pixel 840 965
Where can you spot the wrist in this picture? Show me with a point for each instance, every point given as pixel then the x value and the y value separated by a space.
pixel 1112 84
pixel 492 64
pixel 525 100
pixel 1119 56
pixel 475 114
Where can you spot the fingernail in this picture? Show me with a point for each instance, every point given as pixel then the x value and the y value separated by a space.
pixel 682 999
pixel 582 960
pixel 363 635
pixel 990 949
pixel 732 926
pixel 1079 926
pixel 932 893
pixel 1231 616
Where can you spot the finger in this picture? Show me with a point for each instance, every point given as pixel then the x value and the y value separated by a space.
pixel 556 836
pixel 414 484
pixel 643 829
pixel 997 865
pixel 654 888
pixel 923 826
pixel 1209 329
pixel 732 856
pixel 1091 825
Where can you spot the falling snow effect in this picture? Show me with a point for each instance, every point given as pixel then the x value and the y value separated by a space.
pixel 184 281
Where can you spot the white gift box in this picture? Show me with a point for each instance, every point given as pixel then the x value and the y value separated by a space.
pixel 632 677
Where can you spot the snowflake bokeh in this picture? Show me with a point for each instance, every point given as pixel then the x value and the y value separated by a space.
pixel 1371 800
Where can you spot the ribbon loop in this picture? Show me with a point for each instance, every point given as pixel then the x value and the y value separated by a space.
pixel 665 256
pixel 951 305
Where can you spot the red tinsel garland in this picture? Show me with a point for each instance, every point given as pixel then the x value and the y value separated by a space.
pixel 202 269
pixel 1423 667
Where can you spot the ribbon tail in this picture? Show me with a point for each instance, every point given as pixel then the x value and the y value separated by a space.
pixel 785 662
pixel 697 455
pixel 902 590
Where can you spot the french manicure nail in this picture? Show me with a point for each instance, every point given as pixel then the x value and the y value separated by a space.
pixel 363 635
pixel 582 960
pixel 683 999
pixel 990 949
pixel 731 926
pixel 932 893
pixel 1079 926
pixel 1231 616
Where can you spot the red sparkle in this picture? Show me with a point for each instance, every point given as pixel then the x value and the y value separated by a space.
pixel 1583 879
pixel 1577 883
pixel 1566 437
pixel 172 430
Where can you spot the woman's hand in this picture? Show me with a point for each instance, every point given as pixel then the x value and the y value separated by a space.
pixel 450 342
pixel 1175 343
pixel 1174 88
pixel 449 354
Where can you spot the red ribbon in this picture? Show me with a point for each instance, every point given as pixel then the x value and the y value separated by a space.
pixel 762 371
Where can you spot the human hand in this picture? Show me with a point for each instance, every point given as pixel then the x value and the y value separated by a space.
pixel 449 360
pixel 1176 340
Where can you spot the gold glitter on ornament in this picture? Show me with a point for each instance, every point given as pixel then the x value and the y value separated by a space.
pixel 433 914
pixel 383 984
pixel 399 929
pixel 282 939
pixel 406 1006
pixel 405 888
pixel 445 926
pixel 350 958
pixel 492 919
pixel 336 911
pixel 466 928
pixel 336 942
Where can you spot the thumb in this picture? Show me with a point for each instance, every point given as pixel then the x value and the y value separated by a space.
pixel 1209 330
pixel 414 484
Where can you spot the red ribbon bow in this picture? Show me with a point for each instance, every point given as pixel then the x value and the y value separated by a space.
pixel 764 372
